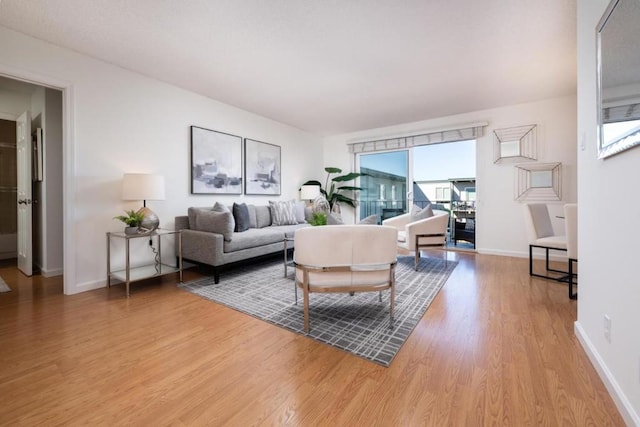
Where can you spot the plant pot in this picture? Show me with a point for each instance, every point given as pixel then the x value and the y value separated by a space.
pixel 131 230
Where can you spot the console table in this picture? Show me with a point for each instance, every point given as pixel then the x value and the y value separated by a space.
pixel 156 268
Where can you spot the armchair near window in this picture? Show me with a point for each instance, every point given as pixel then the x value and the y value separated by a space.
pixel 424 233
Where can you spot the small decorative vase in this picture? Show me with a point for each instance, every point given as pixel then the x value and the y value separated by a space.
pixel 131 230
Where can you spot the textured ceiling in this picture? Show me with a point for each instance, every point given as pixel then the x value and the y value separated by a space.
pixel 328 66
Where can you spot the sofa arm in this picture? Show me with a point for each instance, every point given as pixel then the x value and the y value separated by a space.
pixel 202 246
pixel 181 222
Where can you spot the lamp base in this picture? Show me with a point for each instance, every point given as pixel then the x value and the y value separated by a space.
pixel 150 222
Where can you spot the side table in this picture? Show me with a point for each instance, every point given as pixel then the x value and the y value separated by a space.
pixel 157 268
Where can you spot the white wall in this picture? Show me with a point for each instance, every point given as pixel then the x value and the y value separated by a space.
pixel 500 219
pixel 609 281
pixel 125 122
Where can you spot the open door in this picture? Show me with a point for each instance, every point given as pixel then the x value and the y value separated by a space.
pixel 25 213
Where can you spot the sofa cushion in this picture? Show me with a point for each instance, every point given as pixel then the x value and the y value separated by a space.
pixel 253 220
pixel 241 217
pixel 263 216
pixel 254 237
pixel 215 222
pixel 283 213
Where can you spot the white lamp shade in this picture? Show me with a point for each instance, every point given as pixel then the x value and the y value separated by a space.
pixel 309 192
pixel 142 186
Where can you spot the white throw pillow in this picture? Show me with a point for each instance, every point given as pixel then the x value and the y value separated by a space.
pixel 417 214
pixel 283 213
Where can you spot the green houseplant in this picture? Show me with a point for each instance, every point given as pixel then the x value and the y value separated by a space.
pixel 132 219
pixel 333 191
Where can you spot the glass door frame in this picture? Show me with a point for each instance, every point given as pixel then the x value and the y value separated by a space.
pixel 408 196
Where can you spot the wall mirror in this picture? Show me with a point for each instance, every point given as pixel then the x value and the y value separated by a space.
pixel 514 144
pixel 538 181
pixel 618 55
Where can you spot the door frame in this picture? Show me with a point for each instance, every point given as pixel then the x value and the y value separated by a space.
pixel 68 165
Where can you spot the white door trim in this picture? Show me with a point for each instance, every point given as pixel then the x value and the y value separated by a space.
pixel 68 164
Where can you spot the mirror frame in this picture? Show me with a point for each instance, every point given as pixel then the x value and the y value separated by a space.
pixel 623 144
pixel 524 190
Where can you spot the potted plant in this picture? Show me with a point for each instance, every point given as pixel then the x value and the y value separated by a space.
pixel 336 194
pixel 319 218
pixel 132 219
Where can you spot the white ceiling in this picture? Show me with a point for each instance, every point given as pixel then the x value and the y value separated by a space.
pixel 327 66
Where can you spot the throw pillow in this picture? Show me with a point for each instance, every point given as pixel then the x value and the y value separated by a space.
pixel 300 219
pixel 192 213
pixel 219 207
pixel 371 219
pixel 241 217
pixel 263 216
pixel 283 213
pixel 216 222
pixel 417 214
pixel 334 219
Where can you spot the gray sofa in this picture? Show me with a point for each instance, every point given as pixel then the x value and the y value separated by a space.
pixel 203 246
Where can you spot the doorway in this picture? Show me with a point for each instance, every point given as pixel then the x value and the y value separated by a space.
pixel 443 175
pixel 45 106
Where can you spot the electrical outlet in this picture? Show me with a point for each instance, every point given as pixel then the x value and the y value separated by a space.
pixel 607 327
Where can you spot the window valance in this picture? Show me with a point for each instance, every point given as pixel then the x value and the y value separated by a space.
pixel 451 134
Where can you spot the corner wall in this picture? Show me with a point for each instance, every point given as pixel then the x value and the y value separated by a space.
pixel 126 122
pixel 500 225
pixel 608 249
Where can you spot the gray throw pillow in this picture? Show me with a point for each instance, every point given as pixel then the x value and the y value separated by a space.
pixel 334 219
pixel 283 213
pixel 300 218
pixel 192 213
pixel 219 207
pixel 216 222
pixel 253 218
pixel 371 219
pixel 241 217
pixel 418 214
pixel 263 216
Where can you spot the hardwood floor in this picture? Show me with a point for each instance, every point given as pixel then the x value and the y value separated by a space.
pixel 495 348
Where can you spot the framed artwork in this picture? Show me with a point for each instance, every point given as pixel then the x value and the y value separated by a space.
pixel 216 162
pixel 262 168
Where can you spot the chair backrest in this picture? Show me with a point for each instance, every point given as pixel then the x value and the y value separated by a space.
pixel 538 221
pixel 571 229
pixel 345 245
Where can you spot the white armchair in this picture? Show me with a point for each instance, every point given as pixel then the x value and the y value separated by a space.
pixel 424 233
pixel 345 258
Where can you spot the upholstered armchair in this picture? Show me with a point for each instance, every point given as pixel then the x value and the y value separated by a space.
pixel 345 258
pixel 415 235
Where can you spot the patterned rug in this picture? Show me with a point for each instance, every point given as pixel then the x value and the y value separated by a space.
pixel 358 324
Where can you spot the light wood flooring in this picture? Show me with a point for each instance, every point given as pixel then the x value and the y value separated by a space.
pixel 495 348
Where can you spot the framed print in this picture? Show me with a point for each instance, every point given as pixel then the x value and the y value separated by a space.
pixel 261 168
pixel 216 162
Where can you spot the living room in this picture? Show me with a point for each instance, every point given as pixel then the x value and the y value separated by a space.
pixel 118 121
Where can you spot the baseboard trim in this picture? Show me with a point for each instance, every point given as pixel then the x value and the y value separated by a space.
pixel 630 417
pixel 88 286
pixel 52 272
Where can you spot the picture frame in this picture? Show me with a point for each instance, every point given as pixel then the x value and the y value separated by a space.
pixel 216 162
pixel 262 170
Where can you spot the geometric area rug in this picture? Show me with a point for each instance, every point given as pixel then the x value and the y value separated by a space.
pixel 358 324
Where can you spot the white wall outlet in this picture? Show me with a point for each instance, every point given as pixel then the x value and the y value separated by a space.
pixel 607 327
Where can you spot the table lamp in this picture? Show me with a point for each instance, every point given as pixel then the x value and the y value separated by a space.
pixel 144 186
pixel 309 192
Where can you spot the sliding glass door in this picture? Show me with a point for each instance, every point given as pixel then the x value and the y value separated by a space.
pixel 384 184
